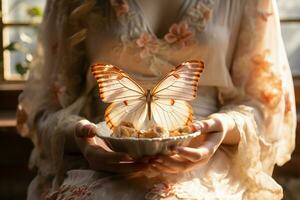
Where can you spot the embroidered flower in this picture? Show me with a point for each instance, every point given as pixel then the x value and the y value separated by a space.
pixel 199 15
pixel 120 6
pixel 263 83
pixel 147 43
pixel 179 34
pixel 159 191
pixel 80 191
pixel 69 192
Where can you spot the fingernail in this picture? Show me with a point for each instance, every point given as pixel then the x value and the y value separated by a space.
pixel 159 160
pixel 195 127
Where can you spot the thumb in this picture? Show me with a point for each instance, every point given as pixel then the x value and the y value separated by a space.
pixel 208 125
pixel 85 129
pixel 85 133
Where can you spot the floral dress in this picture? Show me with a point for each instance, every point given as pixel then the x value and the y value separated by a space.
pixel 246 77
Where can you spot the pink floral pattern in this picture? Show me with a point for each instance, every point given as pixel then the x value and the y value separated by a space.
pixel 147 43
pixel 263 83
pixel 160 190
pixel 199 15
pixel 68 192
pixel 179 34
pixel 120 6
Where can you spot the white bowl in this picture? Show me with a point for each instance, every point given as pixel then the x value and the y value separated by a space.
pixel 139 147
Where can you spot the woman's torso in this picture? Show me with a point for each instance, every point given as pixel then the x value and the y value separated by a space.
pixel 130 35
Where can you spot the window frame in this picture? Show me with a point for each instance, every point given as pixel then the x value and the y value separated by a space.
pixel 18 82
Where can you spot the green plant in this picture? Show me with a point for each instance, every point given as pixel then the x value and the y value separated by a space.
pixel 22 67
pixel 34 11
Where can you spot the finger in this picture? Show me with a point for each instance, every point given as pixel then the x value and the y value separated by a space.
pixel 97 153
pixel 96 149
pixel 193 154
pixel 145 159
pixel 174 162
pixel 116 157
pixel 162 168
pixel 196 126
pixel 84 128
pixel 84 135
pixel 84 143
pixel 209 125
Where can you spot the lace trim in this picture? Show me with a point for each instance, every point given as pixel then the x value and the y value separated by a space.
pixel 70 192
pixel 165 189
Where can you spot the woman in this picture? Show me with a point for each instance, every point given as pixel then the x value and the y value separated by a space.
pixel 245 104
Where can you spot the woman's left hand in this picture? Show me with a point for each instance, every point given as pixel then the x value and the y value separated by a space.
pixel 215 130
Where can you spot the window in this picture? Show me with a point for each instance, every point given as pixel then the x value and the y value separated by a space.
pixel 290 24
pixel 19 27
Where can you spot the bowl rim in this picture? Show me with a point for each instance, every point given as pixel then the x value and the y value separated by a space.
pixel 180 137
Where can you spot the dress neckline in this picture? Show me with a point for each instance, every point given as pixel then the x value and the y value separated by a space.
pixel 180 17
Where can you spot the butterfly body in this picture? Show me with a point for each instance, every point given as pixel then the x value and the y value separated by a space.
pixel 164 105
pixel 149 100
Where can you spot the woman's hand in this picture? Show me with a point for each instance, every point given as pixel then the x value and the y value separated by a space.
pixel 99 155
pixel 217 129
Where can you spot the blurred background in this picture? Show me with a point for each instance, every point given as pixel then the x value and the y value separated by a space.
pixel 19 22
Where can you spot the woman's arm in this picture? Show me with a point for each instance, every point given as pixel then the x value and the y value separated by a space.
pixel 99 156
pixel 223 123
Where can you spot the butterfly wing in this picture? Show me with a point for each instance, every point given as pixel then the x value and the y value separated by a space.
pixel 115 85
pixel 127 97
pixel 181 83
pixel 171 114
pixel 134 111
pixel 169 108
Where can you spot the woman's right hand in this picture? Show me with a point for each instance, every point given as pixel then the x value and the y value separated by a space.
pixel 99 156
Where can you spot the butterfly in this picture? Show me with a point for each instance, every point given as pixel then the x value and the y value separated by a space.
pixel 165 104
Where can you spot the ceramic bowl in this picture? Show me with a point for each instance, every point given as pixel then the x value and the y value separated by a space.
pixel 139 147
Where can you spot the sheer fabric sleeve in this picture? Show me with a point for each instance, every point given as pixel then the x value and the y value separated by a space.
pixel 262 101
pixel 57 91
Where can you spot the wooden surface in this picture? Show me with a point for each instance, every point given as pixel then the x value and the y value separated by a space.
pixel 7 119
